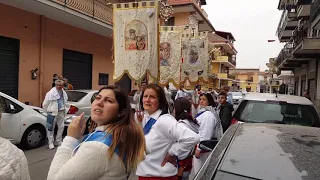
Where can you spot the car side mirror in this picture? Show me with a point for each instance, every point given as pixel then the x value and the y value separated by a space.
pixel 208 145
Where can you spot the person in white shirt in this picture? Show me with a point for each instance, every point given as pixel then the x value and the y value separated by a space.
pixel 182 112
pixel 166 139
pixel 207 121
pixel 168 93
pixel 54 105
pixel 137 96
pixel 180 93
pixel 112 151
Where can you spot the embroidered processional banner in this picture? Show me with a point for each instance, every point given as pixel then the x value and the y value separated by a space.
pixel 195 57
pixel 136 39
pixel 170 54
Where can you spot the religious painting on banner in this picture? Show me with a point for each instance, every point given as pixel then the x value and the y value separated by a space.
pixel 136 39
pixel 195 57
pixel 170 54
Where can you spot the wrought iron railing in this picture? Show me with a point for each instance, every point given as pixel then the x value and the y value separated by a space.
pixel 98 9
pixel 284 53
pixel 315 10
pixel 232 61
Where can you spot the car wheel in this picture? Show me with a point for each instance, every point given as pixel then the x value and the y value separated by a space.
pixel 33 137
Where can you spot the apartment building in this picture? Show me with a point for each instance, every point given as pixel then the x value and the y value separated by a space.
pixel 246 79
pixel 69 38
pixel 299 29
pixel 223 58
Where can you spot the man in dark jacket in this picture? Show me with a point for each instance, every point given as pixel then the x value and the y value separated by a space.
pixel 226 110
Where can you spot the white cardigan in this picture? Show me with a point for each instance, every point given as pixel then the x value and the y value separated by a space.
pixel 90 162
pixel 165 136
pixel 13 162
pixel 207 123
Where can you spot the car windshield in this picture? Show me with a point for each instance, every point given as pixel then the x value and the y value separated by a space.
pixel 75 96
pixel 236 94
pixel 276 113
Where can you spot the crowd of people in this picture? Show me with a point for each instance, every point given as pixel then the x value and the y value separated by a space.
pixel 66 84
pixel 151 143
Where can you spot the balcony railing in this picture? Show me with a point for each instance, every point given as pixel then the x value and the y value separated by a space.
pixel 284 53
pixel 286 16
pixel 98 9
pixel 231 76
pixel 315 10
pixel 301 32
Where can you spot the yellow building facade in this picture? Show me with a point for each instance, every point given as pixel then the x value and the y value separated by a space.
pixel 247 79
pixel 223 58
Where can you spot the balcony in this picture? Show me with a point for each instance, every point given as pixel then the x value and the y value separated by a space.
pixel 303 11
pixel 288 22
pixel 305 41
pixel 226 61
pixel 222 76
pixel 315 15
pixel 284 54
pixel 188 7
pixel 91 15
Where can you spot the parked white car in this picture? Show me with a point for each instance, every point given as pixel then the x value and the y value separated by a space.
pixel 22 124
pixel 237 97
pixel 79 101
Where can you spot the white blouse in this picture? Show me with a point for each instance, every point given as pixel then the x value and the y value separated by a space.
pixel 165 136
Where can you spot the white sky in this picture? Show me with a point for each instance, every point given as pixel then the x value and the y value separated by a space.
pixel 252 23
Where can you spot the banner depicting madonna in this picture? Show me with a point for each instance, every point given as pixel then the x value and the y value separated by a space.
pixel 170 54
pixel 135 38
pixel 195 57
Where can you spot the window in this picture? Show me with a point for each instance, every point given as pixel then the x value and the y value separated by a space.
pixel 3 106
pixel 170 22
pixel 7 106
pixel 75 96
pixel 103 79
pixel 93 97
pixel 276 113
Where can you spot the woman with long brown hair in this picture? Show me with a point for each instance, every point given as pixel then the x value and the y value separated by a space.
pixel 166 139
pixel 111 152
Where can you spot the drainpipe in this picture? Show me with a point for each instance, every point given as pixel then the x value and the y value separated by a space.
pixel 41 59
pixel 219 73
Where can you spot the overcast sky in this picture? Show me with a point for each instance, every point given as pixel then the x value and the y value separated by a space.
pixel 252 23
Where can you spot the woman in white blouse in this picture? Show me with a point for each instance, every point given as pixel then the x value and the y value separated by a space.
pixel 165 137
pixel 207 123
pixel 111 152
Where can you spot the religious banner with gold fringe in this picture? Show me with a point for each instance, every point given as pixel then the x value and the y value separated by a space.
pixel 136 39
pixel 170 54
pixel 195 57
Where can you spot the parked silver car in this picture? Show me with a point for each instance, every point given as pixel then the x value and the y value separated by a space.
pixel 79 101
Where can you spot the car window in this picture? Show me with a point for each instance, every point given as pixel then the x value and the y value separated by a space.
pixel 8 104
pixel 236 94
pixel 75 96
pixel 276 112
pixel 94 97
pixel 2 105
